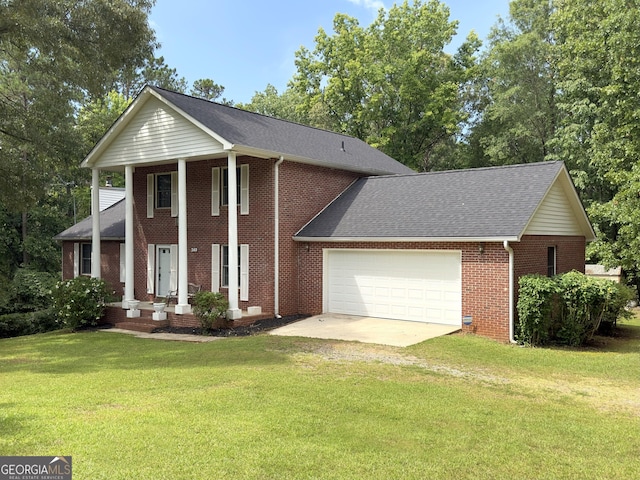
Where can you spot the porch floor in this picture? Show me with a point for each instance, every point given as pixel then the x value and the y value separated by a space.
pixel 117 316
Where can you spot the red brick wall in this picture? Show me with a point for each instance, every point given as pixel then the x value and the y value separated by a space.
pixel 109 258
pixel 304 191
pixel 531 254
pixel 485 280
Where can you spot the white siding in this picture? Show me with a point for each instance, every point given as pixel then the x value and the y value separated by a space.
pixel 555 215
pixel 157 134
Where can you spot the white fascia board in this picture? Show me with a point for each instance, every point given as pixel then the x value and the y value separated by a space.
pixel 406 239
pixel 130 112
pixel 120 123
pixel 259 153
pixel 574 200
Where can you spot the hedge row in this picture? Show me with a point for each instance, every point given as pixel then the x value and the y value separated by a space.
pixel 568 308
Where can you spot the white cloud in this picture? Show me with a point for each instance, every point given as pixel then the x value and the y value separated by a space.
pixel 374 5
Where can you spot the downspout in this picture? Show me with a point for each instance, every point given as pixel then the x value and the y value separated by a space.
pixel 276 237
pixel 511 316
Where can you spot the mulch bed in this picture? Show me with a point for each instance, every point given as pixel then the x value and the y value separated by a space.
pixel 243 331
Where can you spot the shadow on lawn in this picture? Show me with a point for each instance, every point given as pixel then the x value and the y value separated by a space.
pixel 625 338
pixel 64 352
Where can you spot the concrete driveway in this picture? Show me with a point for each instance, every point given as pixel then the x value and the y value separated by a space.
pixel 334 326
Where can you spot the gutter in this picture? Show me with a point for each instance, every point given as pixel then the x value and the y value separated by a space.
pixel 511 276
pixel 276 236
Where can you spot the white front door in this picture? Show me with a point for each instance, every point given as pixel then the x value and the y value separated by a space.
pixel 163 269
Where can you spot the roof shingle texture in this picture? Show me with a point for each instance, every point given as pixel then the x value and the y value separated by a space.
pixel 282 137
pixel 112 222
pixel 495 202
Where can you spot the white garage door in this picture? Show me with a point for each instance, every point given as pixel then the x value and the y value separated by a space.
pixel 396 284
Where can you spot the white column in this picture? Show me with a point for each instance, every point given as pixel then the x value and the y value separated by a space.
pixel 183 274
pixel 234 311
pixel 95 223
pixel 128 237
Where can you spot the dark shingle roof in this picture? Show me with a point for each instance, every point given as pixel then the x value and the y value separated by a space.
pixel 111 225
pixel 495 202
pixel 248 129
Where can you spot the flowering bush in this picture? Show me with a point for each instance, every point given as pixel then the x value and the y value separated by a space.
pixel 209 307
pixel 79 302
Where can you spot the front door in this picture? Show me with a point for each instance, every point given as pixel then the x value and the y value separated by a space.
pixel 164 271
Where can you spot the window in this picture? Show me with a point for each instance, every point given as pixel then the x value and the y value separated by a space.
pixel 551 261
pixel 85 259
pixel 163 190
pixel 225 266
pixel 224 200
pixel 220 188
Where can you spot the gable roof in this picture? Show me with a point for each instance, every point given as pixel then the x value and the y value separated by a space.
pixel 483 204
pixel 112 222
pixel 244 132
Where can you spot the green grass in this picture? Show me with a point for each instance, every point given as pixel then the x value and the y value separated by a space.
pixel 277 407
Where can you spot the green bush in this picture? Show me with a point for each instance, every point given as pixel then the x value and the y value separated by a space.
pixel 568 308
pixel 80 302
pixel 27 323
pixel 208 307
pixel 535 304
pixel 32 289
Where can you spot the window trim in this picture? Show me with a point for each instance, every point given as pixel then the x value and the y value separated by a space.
pixel 552 261
pixel 224 185
pixel 224 267
pixel 156 196
pixel 83 259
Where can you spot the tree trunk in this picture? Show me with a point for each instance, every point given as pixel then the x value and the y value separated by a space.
pixel 25 254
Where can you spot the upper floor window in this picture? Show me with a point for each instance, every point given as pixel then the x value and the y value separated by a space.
pixel 224 199
pixel 220 188
pixel 163 190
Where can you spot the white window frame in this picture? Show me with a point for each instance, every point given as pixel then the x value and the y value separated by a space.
pixel 152 193
pixel 82 259
pixel 218 175
pixel 218 269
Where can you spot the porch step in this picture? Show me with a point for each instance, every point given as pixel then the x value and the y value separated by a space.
pixel 141 324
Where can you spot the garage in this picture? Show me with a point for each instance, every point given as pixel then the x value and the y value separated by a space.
pixel 420 286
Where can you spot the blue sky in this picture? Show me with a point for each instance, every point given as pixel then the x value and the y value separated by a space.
pixel 246 44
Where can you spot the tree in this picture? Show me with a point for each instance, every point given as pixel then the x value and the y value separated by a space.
pixel 284 106
pixel 54 55
pixel 209 90
pixel 390 84
pixel 153 71
pixel 598 60
pixel 514 95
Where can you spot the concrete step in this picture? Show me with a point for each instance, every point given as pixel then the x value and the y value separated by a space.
pixel 142 324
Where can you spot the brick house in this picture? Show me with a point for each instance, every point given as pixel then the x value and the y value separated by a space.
pixel 323 222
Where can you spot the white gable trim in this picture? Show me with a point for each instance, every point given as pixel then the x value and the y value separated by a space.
pixel 560 212
pixel 95 158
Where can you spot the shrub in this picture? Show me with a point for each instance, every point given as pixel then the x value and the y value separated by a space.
pixel 80 302
pixel 208 307
pixel 568 308
pixel 32 289
pixel 535 304
pixel 27 323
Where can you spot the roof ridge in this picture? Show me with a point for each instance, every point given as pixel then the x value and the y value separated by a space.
pixel 467 170
pixel 154 87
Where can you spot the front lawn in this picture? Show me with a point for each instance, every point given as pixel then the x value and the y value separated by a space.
pixel 278 407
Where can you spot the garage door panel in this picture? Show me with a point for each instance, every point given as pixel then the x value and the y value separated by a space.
pixel 405 285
